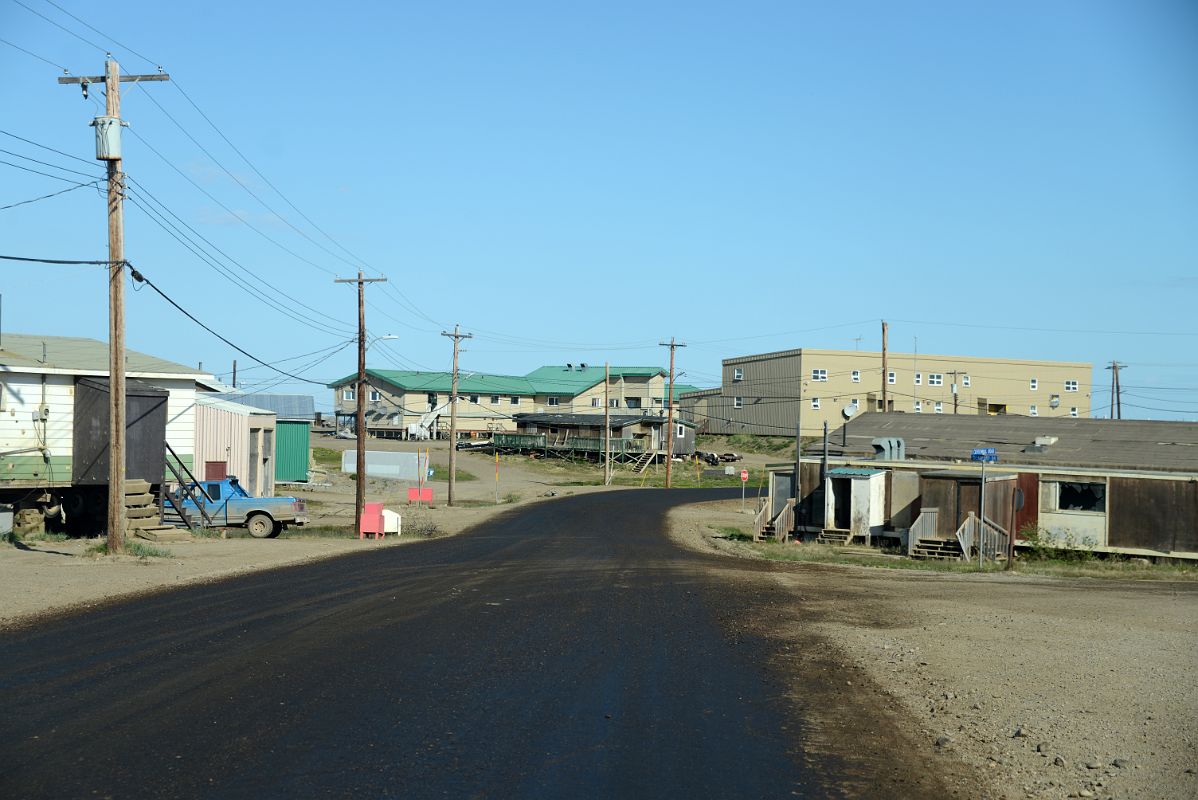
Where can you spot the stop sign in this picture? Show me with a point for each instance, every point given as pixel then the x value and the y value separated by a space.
pixel 744 475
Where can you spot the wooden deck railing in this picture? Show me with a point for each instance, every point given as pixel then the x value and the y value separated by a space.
pixel 924 528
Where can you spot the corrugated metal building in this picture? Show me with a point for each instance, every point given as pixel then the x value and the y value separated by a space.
pixel 235 439
pixel 294 415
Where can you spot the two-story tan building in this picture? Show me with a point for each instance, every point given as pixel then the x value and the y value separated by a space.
pixel 412 404
pixel 768 394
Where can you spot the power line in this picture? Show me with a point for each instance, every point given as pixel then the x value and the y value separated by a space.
pixel 142 190
pixel 52 194
pixel 1048 330
pixel 141 278
pixel 47 147
pixel 54 261
pixel 35 55
pixel 43 174
pixel 60 27
pixel 96 30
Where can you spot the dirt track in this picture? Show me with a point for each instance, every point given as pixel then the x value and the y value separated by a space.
pixel 1050 687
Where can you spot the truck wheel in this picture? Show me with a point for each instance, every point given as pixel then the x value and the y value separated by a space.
pixel 261 526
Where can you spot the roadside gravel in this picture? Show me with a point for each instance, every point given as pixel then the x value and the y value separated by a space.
pixel 1046 687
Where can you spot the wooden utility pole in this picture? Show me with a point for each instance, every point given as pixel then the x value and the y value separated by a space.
pixel 234 373
pixel 673 345
pixel 1116 390
pixel 453 409
pixel 885 374
pixel 606 425
pixel 108 149
pixel 360 395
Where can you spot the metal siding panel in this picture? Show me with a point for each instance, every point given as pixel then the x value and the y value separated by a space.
pixel 291 451
pixel 1153 515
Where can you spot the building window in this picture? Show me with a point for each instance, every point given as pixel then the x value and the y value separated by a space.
pixel 614 402
pixel 1033 411
pixel 815 402
pixel 632 402
pixel 738 374
pixel 1071 386
pixel 495 399
pixel 965 381
pixel 474 399
pixel 347 394
pixel 553 401
pixel 1073 411
pixel 738 402
pixel 939 407
pixel 919 379
pixel 1078 496
pixel 891 377
pixel 935 379
pixel 918 406
pixel 515 400
pixel 596 402
pixel 856 376
pixel 1054 400
pixel 1033 384
pixel 819 375
pixel 680 432
pixel 375 396
pixel 659 402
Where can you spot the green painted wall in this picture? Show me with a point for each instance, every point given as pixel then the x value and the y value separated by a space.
pixel 291 451
pixel 32 467
pixel 186 460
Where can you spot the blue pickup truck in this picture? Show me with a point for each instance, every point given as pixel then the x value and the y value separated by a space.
pixel 227 504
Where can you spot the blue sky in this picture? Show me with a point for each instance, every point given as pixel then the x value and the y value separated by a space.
pixel 577 182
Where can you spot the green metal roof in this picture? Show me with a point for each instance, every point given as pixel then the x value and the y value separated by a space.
pixel 544 380
pixel 854 472
pixel 468 383
pixel 25 353
pixel 572 380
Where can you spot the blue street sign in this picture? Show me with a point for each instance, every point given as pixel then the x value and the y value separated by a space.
pixel 984 454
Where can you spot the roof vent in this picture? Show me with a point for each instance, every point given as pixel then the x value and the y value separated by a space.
pixel 582 367
pixel 569 366
pixel 1045 441
pixel 889 448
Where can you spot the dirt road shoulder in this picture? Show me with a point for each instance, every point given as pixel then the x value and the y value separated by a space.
pixel 1046 687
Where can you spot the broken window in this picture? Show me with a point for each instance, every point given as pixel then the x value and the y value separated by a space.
pixel 1076 496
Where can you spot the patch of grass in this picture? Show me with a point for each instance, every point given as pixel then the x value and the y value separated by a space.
pixel 133 547
pixel 317 532
pixel 326 457
pixel 45 537
pixel 831 554
pixel 441 473
pixel 744 443
pixel 1114 567
pixel 510 497
pixel 732 534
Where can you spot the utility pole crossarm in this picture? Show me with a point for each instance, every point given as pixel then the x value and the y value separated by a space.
pixel 157 76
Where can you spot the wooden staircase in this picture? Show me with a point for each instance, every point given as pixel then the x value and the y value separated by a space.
pixel 834 536
pixel 142 516
pixel 643 461
pixel 937 549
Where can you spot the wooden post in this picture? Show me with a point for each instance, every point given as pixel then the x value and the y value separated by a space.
pixel 673 345
pixel 360 484
pixel 234 373
pixel 116 326
pixel 606 425
pixel 453 410
pixel 116 302
pixel 885 376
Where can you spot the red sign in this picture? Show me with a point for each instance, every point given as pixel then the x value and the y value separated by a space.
pixel 744 475
pixel 420 495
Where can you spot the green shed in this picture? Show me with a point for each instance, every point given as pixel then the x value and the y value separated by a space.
pixel 291 450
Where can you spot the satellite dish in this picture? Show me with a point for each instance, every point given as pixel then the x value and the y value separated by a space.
pixel 849 411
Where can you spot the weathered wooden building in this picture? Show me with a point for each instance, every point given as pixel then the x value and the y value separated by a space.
pixel 1118 486
pixel 631 435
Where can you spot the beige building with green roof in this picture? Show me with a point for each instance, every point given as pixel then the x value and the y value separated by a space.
pixel 414 404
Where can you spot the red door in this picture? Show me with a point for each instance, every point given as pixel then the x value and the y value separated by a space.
pixel 216 470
